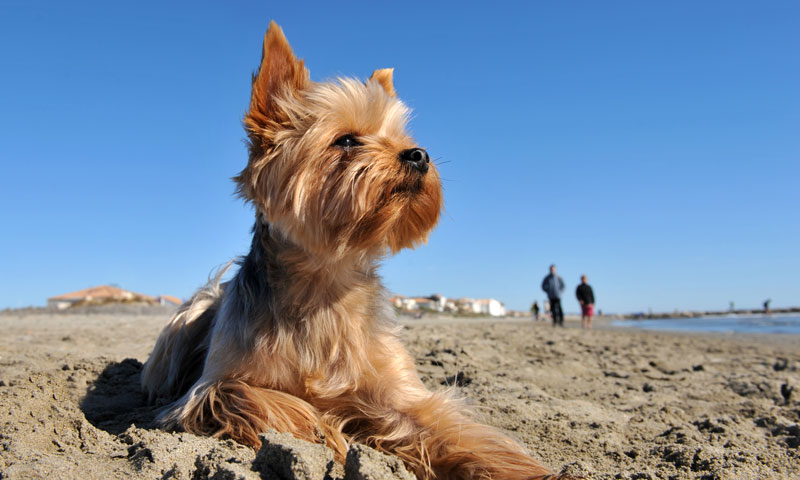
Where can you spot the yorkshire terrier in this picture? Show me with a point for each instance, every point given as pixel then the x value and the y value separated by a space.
pixel 303 338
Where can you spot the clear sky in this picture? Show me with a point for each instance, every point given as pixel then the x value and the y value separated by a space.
pixel 654 146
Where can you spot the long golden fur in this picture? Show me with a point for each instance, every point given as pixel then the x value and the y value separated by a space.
pixel 303 339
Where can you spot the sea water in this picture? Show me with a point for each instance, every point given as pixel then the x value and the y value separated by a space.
pixel 759 323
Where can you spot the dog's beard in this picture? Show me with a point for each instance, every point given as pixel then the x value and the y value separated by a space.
pixel 377 210
pixel 410 211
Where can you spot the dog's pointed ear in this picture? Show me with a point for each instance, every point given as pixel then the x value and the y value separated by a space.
pixel 384 77
pixel 280 73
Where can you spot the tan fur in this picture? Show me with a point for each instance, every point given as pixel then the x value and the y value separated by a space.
pixel 385 76
pixel 302 339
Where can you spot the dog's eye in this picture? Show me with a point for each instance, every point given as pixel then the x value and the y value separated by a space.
pixel 347 141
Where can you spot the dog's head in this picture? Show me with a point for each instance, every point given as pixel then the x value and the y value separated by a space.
pixel 331 164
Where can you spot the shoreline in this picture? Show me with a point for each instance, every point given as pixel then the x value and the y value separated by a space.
pixel 707 313
pixel 605 324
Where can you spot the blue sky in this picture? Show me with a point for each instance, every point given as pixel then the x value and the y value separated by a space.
pixel 652 146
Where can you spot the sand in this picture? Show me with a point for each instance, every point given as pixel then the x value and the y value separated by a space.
pixel 607 403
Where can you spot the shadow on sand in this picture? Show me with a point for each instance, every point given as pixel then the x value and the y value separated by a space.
pixel 115 400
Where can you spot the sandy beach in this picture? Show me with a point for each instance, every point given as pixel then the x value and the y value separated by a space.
pixel 607 403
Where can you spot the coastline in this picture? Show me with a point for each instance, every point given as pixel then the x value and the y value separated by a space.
pixel 708 313
pixel 608 403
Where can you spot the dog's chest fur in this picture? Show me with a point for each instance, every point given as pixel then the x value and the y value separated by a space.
pixel 311 323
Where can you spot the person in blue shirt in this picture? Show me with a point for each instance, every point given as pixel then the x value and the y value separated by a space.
pixel 553 286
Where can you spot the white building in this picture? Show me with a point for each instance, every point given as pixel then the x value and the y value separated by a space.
pixel 490 306
pixel 435 303
pixel 485 306
pixel 440 303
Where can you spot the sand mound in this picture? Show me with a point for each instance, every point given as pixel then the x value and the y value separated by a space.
pixel 110 434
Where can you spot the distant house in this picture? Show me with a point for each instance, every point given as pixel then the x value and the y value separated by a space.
pixel 490 306
pixel 424 303
pixel 97 295
pixel 433 303
pixel 403 303
pixel 485 306
pixel 168 300
pixel 467 305
pixel 440 303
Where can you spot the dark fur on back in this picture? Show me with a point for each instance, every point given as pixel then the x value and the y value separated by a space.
pixel 178 358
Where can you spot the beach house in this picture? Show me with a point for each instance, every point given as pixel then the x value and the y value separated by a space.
pixel 97 295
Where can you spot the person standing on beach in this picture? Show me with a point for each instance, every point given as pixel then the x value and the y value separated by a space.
pixel 535 310
pixel 553 286
pixel 585 296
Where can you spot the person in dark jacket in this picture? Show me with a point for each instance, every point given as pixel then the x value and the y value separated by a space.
pixel 553 286
pixel 585 296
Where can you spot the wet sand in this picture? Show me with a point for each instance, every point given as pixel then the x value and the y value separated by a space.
pixel 607 403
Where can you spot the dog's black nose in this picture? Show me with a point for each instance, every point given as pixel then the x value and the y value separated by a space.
pixel 417 158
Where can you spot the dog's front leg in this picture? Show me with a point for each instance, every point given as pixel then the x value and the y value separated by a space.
pixel 233 408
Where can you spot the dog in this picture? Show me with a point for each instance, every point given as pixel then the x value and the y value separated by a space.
pixel 303 339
